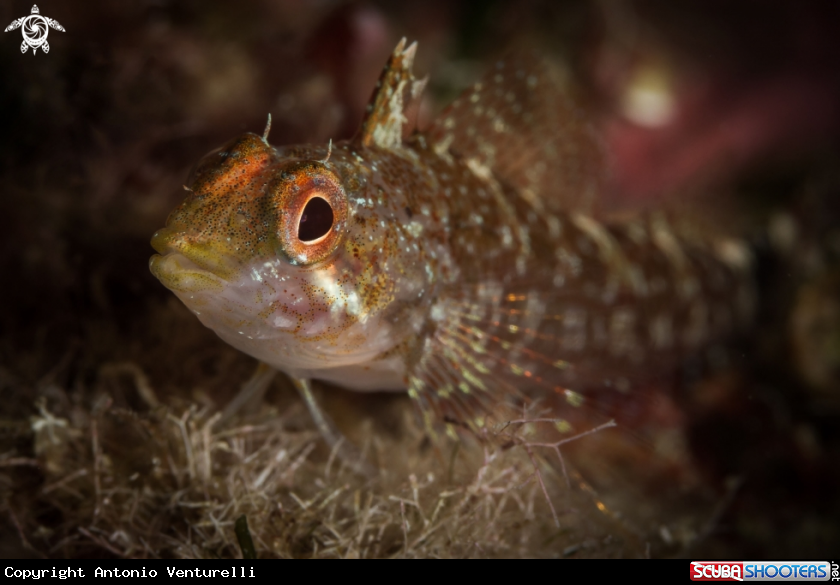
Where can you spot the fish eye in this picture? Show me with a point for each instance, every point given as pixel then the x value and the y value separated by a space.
pixel 311 211
pixel 316 221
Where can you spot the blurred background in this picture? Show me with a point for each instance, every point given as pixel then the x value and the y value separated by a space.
pixel 737 100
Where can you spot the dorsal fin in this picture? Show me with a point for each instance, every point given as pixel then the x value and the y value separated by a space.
pixel 395 92
pixel 520 123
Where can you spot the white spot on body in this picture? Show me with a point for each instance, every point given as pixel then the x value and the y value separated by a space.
pixel 438 313
pixel 507 237
pixel 555 228
pixel 661 331
pixel 622 336
pixel 574 329
pixel 415 228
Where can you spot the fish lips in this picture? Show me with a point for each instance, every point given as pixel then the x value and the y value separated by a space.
pixel 189 266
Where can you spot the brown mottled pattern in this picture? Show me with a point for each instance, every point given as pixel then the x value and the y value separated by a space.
pixel 519 121
pixel 462 264
pixel 561 303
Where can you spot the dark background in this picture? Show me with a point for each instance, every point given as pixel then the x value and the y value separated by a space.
pixel 97 137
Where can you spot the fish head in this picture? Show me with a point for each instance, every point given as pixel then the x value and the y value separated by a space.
pixel 285 255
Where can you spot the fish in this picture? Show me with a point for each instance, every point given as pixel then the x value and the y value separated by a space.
pixel 471 264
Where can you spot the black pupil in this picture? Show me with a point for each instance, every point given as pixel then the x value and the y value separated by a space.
pixel 315 221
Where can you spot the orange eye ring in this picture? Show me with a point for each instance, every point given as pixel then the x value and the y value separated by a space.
pixel 311 209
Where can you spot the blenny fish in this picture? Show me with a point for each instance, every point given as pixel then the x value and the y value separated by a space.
pixel 469 264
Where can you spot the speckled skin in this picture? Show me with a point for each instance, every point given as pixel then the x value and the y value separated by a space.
pixel 464 264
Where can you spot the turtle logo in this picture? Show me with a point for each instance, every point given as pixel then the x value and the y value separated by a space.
pixel 35 28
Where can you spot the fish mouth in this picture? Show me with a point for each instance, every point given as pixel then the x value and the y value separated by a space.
pixel 187 266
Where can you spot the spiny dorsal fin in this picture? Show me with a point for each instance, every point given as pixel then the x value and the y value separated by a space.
pixel 396 90
pixel 520 123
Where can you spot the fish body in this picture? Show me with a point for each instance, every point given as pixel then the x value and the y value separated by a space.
pixel 469 264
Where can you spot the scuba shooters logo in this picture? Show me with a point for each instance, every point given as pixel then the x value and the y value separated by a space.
pixel 35 29
pixel 763 571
